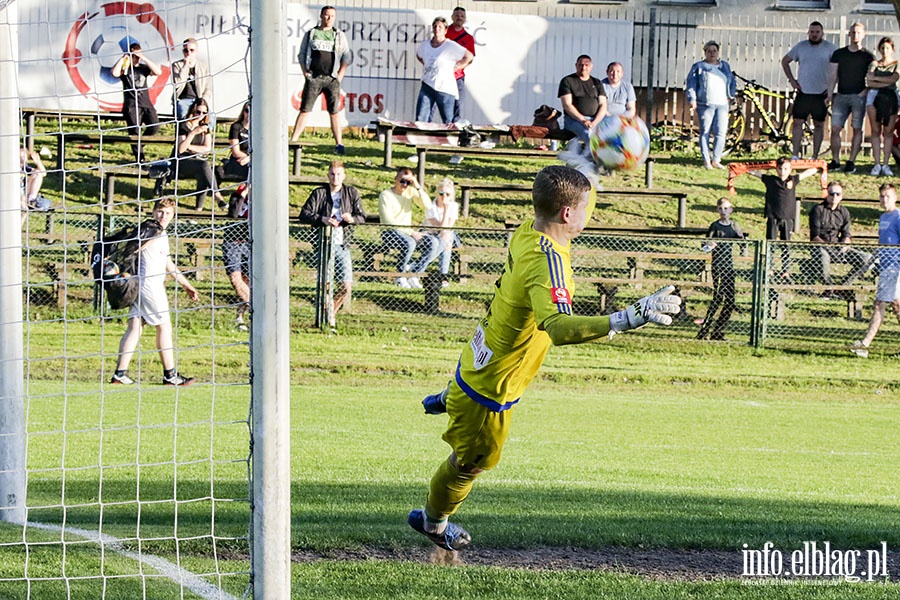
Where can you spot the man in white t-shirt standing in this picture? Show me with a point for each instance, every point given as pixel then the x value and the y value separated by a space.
pixel 152 306
pixel 813 56
pixel 441 57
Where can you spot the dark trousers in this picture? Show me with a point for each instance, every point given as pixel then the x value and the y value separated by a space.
pixel 201 170
pixel 840 254
pixel 138 118
pixel 781 229
pixel 723 297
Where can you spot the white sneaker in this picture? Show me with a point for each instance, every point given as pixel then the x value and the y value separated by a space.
pixel 415 283
pixel 876 171
pixel 859 349
pixel 886 171
pixel 403 282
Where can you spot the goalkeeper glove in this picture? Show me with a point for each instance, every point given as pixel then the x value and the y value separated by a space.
pixel 655 308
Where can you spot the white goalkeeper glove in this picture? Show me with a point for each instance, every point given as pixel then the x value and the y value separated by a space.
pixel 655 308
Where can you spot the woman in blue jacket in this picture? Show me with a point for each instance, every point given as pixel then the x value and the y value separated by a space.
pixel 710 87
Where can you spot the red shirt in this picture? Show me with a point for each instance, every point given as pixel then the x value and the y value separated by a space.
pixel 464 39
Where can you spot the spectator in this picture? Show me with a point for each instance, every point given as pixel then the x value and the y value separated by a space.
pixel 152 306
pixel 781 206
pixel 813 56
pixel 620 96
pixel 457 33
pixel 710 87
pixel 395 210
pixel 829 223
pixel 722 271
pixel 324 58
pixel 192 153
pixel 134 69
pixel 584 103
pixel 442 58
pixel 238 164
pixel 444 213
pixel 236 251
pixel 32 178
pixel 531 309
pixel 337 206
pixel 889 268
pixel 881 105
pixel 191 78
pixel 848 69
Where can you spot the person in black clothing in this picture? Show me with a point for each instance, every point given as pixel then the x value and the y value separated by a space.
pixel 722 271
pixel 829 223
pixel 191 153
pixel 337 206
pixel 238 164
pixel 134 69
pixel 583 100
pixel 781 205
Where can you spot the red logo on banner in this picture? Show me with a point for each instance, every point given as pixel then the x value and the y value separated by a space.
pixel 115 36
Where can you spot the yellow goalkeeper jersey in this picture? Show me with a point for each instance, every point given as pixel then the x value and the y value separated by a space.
pixel 508 347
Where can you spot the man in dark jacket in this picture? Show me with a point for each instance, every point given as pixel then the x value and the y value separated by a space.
pixel 829 223
pixel 337 206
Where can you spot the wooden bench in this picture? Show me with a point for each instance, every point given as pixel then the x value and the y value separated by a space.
pixel 423 151
pixel 63 138
pixel 386 130
pixel 854 295
pixel 111 173
pixel 467 187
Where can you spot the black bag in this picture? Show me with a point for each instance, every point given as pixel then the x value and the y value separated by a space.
pixel 546 116
pixel 114 262
pixel 468 137
pixel 162 173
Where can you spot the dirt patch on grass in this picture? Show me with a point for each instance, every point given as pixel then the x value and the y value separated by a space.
pixel 655 563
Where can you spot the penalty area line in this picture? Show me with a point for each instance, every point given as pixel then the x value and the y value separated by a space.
pixel 170 570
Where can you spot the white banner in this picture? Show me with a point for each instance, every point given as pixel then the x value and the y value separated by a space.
pixel 67 50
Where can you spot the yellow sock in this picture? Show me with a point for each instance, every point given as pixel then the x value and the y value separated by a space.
pixel 449 487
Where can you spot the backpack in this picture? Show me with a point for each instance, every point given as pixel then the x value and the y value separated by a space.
pixel 546 116
pixel 114 262
pixel 468 137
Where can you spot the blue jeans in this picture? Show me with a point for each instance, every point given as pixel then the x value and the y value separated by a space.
pixel 580 131
pixel 447 252
pixel 398 240
pixel 428 97
pixel 430 246
pixel 461 89
pixel 713 119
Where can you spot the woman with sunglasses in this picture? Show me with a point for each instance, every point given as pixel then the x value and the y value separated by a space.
pixel 443 213
pixel 192 152
pixel 238 164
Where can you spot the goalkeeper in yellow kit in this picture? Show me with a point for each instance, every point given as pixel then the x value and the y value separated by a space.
pixel 531 309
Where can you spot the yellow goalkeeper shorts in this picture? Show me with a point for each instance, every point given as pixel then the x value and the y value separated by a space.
pixel 475 433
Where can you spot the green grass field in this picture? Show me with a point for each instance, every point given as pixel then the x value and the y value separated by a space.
pixel 672 457
pixel 636 468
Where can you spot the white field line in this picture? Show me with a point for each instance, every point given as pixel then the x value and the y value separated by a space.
pixel 185 578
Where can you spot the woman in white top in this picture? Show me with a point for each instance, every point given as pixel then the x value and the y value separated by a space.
pixel 442 58
pixel 443 213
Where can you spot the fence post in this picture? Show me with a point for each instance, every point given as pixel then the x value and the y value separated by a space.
pixel 324 277
pixel 651 67
pixel 12 351
pixel 759 304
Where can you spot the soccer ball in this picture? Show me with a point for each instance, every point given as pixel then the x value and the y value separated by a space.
pixel 620 142
pixel 107 48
